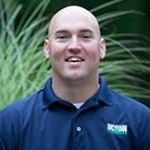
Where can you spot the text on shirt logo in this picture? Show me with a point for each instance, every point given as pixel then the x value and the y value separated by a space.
pixel 117 129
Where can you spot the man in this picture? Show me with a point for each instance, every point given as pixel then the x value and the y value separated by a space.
pixel 75 110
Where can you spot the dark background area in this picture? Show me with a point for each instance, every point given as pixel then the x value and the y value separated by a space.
pixel 130 23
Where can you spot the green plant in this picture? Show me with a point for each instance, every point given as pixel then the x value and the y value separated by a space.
pixel 126 63
pixel 23 69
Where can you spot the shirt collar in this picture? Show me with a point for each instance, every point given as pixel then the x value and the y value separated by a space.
pixel 49 97
pixel 103 94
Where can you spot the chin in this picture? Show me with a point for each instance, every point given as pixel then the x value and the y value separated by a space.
pixel 76 76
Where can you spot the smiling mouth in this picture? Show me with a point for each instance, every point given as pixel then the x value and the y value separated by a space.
pixel 74 59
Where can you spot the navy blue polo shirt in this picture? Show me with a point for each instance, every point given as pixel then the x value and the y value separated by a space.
pixel 106 121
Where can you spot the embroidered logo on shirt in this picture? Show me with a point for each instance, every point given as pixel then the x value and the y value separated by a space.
pixel 117 129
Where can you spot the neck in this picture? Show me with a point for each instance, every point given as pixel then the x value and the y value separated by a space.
pixel 75 91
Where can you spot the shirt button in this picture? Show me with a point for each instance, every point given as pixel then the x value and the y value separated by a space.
pixel 78 129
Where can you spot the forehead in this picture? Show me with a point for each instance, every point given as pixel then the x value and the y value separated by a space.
pixel 73 18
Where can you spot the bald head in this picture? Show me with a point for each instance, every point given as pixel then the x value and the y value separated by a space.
pixel 73 14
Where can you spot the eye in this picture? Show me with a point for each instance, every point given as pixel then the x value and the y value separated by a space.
pixel 86 36
pixel 61 36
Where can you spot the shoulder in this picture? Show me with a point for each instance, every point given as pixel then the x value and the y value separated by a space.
pixel 133 109
pixel 22 106
pixel 127 102
pixel 18 115
pixel 27 105
pixel 118 100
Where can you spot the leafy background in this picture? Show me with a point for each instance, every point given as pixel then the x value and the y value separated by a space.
pixel 23 28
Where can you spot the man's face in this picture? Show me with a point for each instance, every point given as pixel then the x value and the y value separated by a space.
pixel 74 46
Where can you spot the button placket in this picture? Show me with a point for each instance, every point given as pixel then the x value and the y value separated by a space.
pixel 79 139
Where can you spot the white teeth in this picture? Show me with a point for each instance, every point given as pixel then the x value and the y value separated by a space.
pixel 74 59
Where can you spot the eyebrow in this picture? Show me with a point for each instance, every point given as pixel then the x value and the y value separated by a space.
pixel 60 32
pixel 86 31
pixel 67 31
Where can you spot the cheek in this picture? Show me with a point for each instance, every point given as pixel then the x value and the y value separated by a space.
pixel 56 51
pixel 55 56
pixel 94 53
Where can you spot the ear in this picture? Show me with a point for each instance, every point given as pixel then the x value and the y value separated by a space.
pixel 102 48
pixel 47 48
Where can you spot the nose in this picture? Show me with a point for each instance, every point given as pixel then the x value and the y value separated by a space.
pixel 74 45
